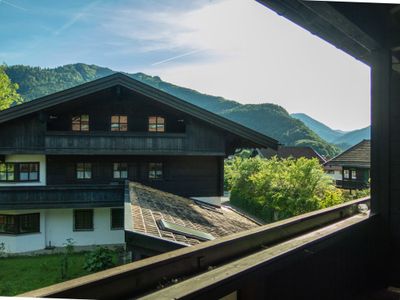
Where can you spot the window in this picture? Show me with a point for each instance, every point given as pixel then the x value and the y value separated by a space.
pixel 29 172
pixel 186 231
pixel 346 174
pixel 16 172
pixel 119 123
pixel 117 218
pixel 156 124
pixel 120 171
pixel 7 172
pixel 83 219
pixel 83 171
pixel 29 223
pixel 353 174
pixel 18 224
pixel 80 123
pixel 155 171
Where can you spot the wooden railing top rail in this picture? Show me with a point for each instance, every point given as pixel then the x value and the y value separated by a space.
pixel 70 187
pixel 139 277
pixel 116 134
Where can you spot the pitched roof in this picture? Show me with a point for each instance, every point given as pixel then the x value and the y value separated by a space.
pixel 357 156
pixel 150 205
pixel 146 90
pixel 294 152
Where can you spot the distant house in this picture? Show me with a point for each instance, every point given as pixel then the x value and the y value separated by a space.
pixel 351 168
pixel 65 158
pixel 294 152
pixel 157 221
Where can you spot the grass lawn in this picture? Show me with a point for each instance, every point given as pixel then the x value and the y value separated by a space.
pixel 20 274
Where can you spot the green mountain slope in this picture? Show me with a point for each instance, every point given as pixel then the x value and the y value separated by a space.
pixel 269 119
pixel 325 132
pixel 340 138
pixel 353 137
pixel 277 123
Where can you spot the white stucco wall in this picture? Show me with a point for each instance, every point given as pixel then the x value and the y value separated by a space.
pixel 59 227
pixel 336 176
pixel 56 225
pixel 24 242
pixel 28 158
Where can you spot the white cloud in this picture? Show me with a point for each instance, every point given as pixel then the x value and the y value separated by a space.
pixel 262 57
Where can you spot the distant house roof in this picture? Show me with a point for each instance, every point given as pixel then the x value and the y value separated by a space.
pixel 294 152
pixel 357 156
pixel 119 79
pixel 149 206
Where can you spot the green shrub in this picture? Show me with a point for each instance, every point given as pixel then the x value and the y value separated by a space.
pixel 356 194
pixel 69 250
pixel 99 259
pixel 275 189
pixel 2 249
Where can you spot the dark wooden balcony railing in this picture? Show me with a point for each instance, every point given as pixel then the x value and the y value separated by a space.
pixel 61 196
pixel 352 184
pixel 113 143
pixel 338 236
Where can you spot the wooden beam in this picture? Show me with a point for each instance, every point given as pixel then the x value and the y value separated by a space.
pixel 204 284
pixel 340 22
pixel 381 68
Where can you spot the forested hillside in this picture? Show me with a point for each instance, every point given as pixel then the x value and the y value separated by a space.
pixel 269 119
pixel 277 123
pixel 342 139
pixel 353 137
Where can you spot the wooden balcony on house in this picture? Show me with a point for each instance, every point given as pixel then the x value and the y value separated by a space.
pixel 326 254
pixel 126 143
pixel 61 196
pixel 352 184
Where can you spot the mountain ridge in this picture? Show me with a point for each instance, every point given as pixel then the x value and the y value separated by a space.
pixel 343 139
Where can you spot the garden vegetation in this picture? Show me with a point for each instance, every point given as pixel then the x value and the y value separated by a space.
pixel 275 189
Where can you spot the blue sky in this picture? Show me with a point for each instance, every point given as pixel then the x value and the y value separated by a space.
pixel 237 49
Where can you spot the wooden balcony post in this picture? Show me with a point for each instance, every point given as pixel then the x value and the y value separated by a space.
pixel 380 131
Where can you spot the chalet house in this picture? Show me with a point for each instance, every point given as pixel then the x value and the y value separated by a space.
pixel 64 159
pixel 351 168
pixel 290 151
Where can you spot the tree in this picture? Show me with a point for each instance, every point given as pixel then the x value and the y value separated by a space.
pixel 8 91
pixel 275 189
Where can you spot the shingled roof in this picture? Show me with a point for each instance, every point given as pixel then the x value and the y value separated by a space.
pixel 150 205
pixel 294 152
pixel 357 156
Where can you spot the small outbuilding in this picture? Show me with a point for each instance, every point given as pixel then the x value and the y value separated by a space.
pixel 351 168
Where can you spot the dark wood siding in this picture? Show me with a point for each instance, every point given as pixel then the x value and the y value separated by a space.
pixel 102 105
pixel 186 176
pixel 361 182
pixel 184 134
pixel 23 135
pixel 392 167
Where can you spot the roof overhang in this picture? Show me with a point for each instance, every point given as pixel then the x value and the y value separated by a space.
pixel 119 79
pixel 356 28
pixel 365 165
